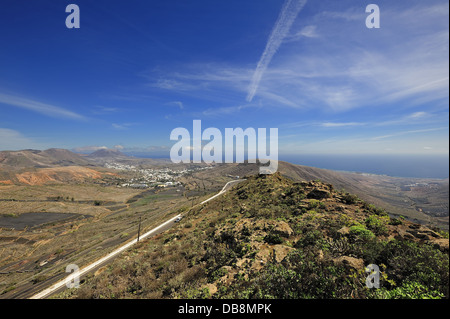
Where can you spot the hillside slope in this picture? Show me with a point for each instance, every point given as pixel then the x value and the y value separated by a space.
pixel 425 205
pixel 271 237
pixel 35 167
pixel 14 160
pixel 103 156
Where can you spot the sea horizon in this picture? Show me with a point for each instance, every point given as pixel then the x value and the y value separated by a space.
pixel 405 166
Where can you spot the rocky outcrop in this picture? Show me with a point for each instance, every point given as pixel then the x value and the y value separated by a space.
pixel 441 244
pixel 349 262
pixel 283 229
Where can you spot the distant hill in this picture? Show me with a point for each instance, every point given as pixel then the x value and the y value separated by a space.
pixel 426 205
pixel 107 153
pixel 270 237
pixel 35 167
pixel 103 156
pixel 40 159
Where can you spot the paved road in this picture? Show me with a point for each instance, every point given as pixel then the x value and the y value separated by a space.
pixel 98 263
pixel 224 189
pixel 81 272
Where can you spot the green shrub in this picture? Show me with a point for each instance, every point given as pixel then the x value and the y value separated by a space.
pixel 443 233
pixel 416 262
pixel 360 232
pixel 378 224
pixel 311 238
pixel 396 221
pixel 301 276
pixel 350 199
pixel 313 203
pixel 14 215
pixel 216 274
pixel 273 239
pixel 197 293
pixel 409 290
pixel 38 279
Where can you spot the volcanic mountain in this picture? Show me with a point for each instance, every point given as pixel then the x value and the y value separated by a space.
pixel 107 153
pixel 38 159
pixel 35 167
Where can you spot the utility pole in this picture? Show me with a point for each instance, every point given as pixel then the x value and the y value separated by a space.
pixel 139 228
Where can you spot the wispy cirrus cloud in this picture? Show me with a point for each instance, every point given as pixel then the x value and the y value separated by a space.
pixel 99 109
pixel 413 119
pixel 39 107
pixel 309 31
pixel 289 12
pixel 342 124
pixel 410 132
pixel 403 65
pixel 199 76
pixel 176 103
pixel 123 126
pixel 14 140
pixel 227 110
pixel 173 85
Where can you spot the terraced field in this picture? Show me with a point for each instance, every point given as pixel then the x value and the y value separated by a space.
pixel 44 228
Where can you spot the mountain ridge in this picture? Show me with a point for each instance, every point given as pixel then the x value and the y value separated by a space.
pixel 37 158
pixel 112 153
pixel 425 204
pixel 272 237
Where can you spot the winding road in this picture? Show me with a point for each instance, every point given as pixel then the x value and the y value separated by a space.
pixel 70 279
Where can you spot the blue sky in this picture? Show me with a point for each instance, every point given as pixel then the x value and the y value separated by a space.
pixel 136 70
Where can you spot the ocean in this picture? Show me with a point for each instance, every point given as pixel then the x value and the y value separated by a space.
pixel 419 166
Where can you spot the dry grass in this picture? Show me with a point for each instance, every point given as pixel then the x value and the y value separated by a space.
pixel 45 250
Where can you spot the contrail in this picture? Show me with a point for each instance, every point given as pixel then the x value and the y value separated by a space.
pixel 288 13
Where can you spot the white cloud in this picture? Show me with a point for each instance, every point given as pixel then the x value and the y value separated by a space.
pixel 395 144
pixel 119 126
pixel 341 70
pixel 176 103
pixel 334 124
pixel 309 31
pixel 105 110
pixel 123 126
pixel 211 112
pixel 409 132
pixel 89 149
pixel 349 68
pixel 14 140
pixel 350 14
pixel 418 115
pixel 173 85
pixel 46 109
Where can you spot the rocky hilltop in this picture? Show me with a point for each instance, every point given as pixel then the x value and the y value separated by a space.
pixel 272 237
